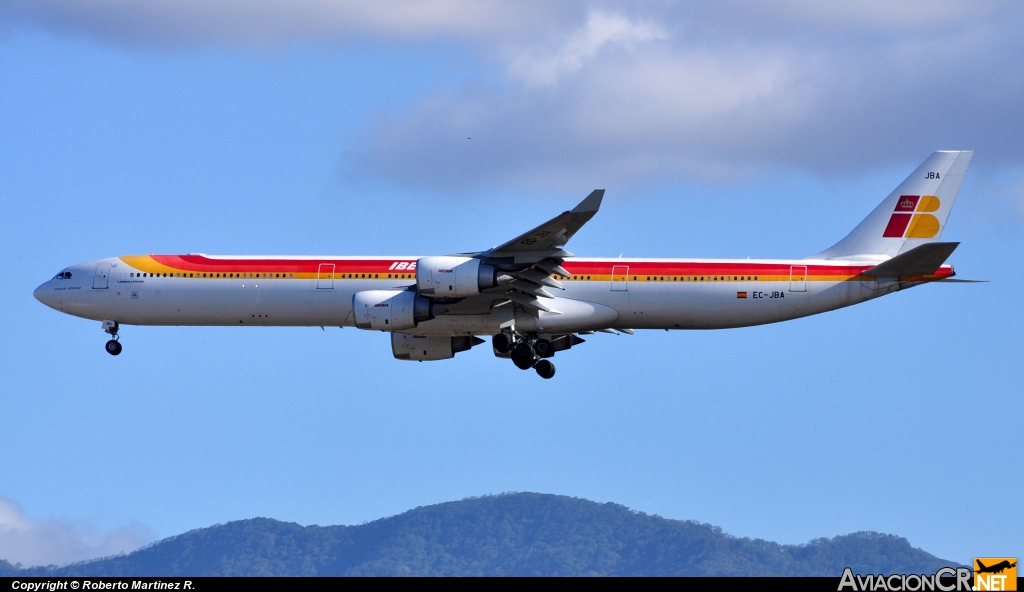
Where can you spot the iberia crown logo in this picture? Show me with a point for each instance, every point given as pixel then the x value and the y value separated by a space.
pixel 995 573
pixel 910 220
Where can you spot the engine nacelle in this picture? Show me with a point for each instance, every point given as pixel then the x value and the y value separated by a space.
pixel 430 347
pixel 390 310
pixel 453 277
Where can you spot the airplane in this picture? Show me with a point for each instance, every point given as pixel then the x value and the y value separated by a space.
pixel 997 568
pixel 531 296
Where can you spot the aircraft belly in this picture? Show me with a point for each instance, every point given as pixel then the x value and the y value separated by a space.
pixel 226 303
pixel 652 305
pixel 572 316
pixel 575 315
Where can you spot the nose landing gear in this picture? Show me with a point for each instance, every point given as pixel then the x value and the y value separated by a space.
pixel 113 346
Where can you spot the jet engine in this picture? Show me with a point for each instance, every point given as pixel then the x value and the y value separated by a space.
pixel 430 347
pixel 453 277
pixel 391 310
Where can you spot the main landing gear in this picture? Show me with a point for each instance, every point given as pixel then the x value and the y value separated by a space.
pixel 113 346
pixel 526 352
pixel 545 369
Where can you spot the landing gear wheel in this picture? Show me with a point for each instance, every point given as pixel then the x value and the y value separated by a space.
pixel 523 355
pixel 544 348
pixel 113 347
pixel 524 350
pixel 545 369
pixel 502 343
pixel 522 363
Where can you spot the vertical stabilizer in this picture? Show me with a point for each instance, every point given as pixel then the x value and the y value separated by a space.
pixel 914 214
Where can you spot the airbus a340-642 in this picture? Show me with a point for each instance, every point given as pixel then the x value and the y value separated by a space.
pixel 531 296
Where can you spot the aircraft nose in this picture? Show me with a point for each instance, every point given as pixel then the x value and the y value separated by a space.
pixel 44 294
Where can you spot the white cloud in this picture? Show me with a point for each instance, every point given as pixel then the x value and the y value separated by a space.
pixel 33 542
pixel 543 67
pixel 262 23
pixel 631 91
pixel 721 91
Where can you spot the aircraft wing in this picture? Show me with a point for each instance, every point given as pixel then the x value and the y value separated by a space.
pixel 527 262
pixel 549 238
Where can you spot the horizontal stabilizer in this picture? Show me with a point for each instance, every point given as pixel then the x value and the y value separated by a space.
pixel 923 260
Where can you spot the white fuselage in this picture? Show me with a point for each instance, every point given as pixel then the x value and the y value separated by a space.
pixel 599 293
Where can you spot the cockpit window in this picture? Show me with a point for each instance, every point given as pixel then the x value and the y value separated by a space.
pixel 64 275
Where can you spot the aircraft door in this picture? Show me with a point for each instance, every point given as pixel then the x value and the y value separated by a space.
pixel 99 281
pixel 620 275
pixel 798 278
pixel 325 277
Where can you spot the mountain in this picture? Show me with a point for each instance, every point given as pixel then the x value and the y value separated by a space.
pixel 509 534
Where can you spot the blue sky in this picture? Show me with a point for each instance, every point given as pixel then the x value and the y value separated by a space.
pixel 716 134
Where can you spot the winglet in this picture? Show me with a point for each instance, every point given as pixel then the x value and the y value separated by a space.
pixel 592 202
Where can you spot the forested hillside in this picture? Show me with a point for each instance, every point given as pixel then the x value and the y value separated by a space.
pixel 510 534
